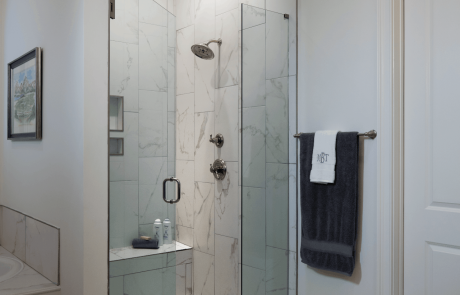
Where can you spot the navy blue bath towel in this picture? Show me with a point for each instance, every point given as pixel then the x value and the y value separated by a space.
pixel 330 211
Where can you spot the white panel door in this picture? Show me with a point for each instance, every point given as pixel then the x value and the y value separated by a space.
pixel 432 147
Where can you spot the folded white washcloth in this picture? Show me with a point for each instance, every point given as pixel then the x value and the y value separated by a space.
pixel 323 159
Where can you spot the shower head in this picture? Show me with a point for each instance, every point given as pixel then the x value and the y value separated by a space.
pixel 203 51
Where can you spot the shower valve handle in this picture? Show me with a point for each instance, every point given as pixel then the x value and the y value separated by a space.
pixel 218 140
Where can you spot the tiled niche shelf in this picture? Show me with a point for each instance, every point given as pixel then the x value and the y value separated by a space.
pixel 116 146
pixel 116 117
pixel 129 252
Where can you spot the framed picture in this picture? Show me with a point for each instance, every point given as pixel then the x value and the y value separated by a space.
pixel 25 96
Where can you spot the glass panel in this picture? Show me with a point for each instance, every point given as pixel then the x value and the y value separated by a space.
pixel 142 72
pixel 265 152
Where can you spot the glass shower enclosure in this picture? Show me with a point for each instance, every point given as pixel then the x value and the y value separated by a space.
pixel 229 236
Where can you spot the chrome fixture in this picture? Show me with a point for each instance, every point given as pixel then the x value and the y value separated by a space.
pixel 371 134
pixel 219 169
pixel 203 51
pixel 178 190
pixel 218 140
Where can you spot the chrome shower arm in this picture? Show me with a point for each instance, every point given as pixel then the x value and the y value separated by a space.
pixel 218 41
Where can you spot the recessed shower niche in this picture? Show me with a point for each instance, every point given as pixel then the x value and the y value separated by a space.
pixel 116 113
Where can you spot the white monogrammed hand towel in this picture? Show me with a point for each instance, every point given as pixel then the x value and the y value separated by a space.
pixel 323 160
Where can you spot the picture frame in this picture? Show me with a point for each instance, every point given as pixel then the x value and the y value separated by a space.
pixel 25 96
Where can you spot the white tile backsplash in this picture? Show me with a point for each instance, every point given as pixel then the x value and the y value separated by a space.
pixel 14 233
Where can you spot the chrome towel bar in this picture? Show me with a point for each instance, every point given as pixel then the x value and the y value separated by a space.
pixel 371 134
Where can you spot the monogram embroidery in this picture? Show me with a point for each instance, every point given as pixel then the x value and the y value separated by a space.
pixel 322 157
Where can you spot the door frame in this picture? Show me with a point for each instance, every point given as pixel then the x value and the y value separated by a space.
pixel 391 147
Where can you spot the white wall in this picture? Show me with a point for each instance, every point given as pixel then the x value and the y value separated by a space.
pixel 62 179
pixel 337 89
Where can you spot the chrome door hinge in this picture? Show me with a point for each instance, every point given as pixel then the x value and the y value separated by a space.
pixel 112 9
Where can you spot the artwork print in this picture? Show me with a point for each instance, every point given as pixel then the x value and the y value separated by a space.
pixel 23 98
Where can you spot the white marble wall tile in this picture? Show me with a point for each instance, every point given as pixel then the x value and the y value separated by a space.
pixel 145 230
pixel 226 266
pixel 171 79
pixel 184 208
pixel 226 122
pixel 223 6
pixel 253 235
pixel 252 16
pixel 292 119
pixel 171 142
pixel 292 208
pixel 14 233
pixel 189 279
pixel 184 235
pixel 205 20
pixel 125 26
pixel 205 85
pixel 253 66
pixel 172 6
pixel 153 124
pixel 277 266
pixel 253 146
pixel 185 68
pixel 153 68
pixel 203 273
pixel 185 127
pixel 180 279
pixel 152 171
pixel 253 281
pixel 203 230
pixel 151 12
pixel 124 207
pixel 116 286
pixel 184 257
pixel 42 249
pixel 227 27
pixel 277 34
pixel 292 273
pixel 163 3
pixel 204 150
pixel 185 13
pixel 277 205
pixel 256 3
pixel 169 281
pixel 143 282
pixel 124 73
pixel 172 31
pixel 277 120
pixel 227 194
pixel 1 225
pixel 126 167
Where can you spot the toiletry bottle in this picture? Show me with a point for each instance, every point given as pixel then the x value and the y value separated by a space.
pixel 167 237
pixel 158 232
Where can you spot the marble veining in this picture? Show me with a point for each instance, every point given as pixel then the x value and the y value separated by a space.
pixel 14 232
pixel 252 16
pixel 184 209
pixel 125 27
pixel 227 194
pixel 225 5
pixel 204 85
pixel 153 68
pixel 226 122
pixel 153 13
pixel 256 285
pixel 185 65
pixel 185 13
pixel 185 118
pixel 185 235
pixel 292 119
pixel 226 265
pixel 203 273
pixel 28 281
pixel 277 120
pixel 277 265
pixel 292 207
pixel 204 150
pixel 153 120
pixel 253 236
pixel 205 21
pixel 203 231
pixel 277 44
pixel 227 28
pixel 42 249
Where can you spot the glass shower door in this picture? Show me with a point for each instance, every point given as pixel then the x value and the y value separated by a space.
pixel 142 148
pixel 265 152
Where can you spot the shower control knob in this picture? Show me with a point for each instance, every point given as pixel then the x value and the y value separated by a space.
pixel 219 169
pixel 218 140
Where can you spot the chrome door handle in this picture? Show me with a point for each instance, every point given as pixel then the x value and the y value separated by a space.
pixel 178 190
